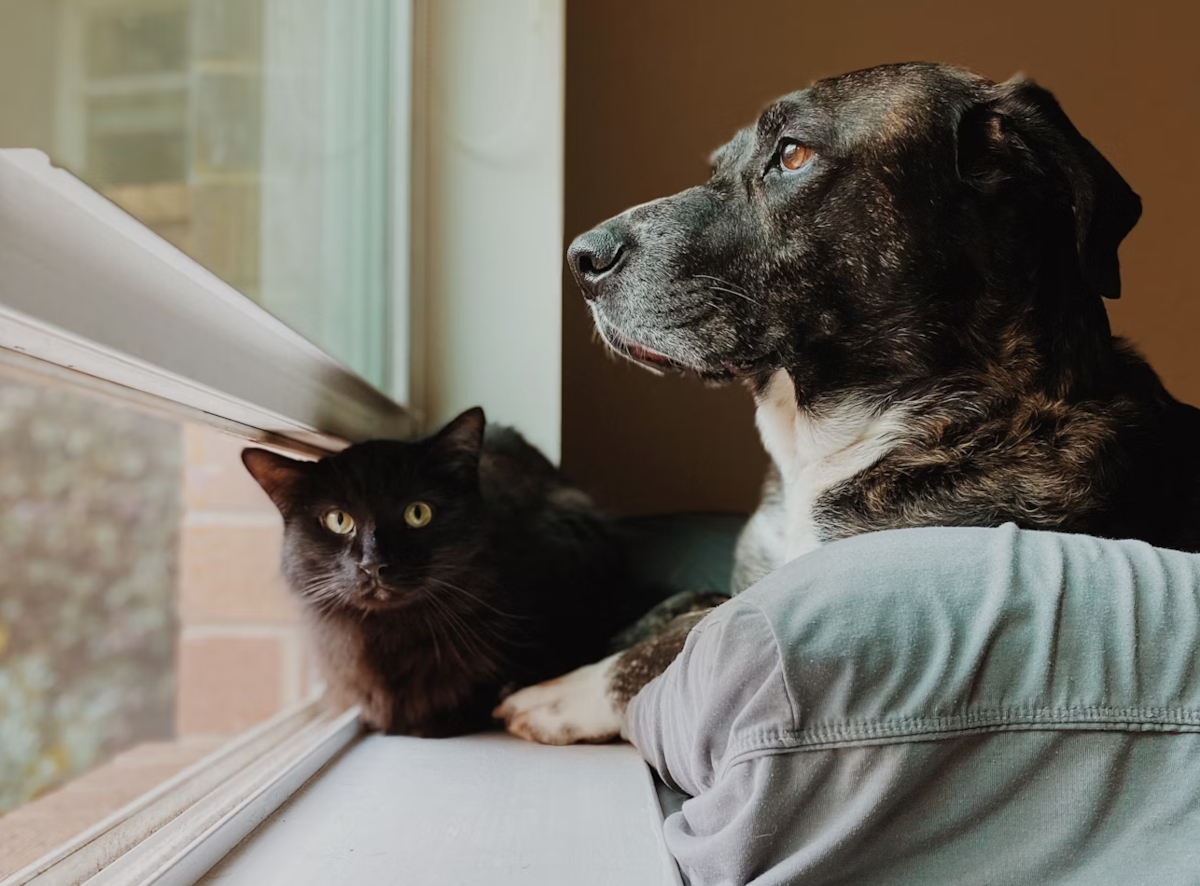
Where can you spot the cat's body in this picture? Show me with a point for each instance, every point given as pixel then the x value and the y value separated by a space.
pixel 437 574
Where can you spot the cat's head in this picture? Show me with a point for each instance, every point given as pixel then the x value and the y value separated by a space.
pixel 381 525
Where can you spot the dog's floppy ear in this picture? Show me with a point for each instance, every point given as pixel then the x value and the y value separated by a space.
pixel 1022 123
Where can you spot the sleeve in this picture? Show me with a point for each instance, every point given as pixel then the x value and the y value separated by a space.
pixel 920 706
pixel 727 680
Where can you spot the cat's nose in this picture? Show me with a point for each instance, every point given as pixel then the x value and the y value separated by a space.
pixel 377 571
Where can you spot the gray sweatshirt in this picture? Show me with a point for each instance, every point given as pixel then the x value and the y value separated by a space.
pixel 940 706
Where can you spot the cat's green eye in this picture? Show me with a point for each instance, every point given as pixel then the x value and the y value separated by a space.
pixel 418 514
pixel 339 522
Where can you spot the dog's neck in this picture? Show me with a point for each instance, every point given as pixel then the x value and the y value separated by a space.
pixel 817 449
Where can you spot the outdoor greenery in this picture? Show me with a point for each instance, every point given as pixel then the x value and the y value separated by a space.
pixel 89 515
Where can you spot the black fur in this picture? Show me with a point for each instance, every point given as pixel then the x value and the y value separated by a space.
pixel 948 248
pixel 515 579
pixel 943 257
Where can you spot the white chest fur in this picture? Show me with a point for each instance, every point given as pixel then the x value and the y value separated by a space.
pixel 815 452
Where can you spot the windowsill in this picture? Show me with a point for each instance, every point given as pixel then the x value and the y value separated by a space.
pixel 479 809
pixel 30 831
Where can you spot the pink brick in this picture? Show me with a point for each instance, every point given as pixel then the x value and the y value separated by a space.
pixel 215 478
pixel 230 574
pixel 227 684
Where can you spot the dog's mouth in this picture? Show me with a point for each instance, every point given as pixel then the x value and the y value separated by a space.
pixel 708 368
pixel 617 342
pixel 661 364
pixel 646 357
pixel 652 359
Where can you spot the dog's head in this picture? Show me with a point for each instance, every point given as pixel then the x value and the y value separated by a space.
pixel 881 226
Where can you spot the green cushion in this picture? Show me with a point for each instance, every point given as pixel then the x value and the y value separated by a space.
pixel 682 552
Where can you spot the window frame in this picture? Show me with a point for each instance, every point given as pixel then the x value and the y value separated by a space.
pixel 90 297
pixel 86 288
pixel 177 831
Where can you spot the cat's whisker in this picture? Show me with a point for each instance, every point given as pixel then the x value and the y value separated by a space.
pixel 437 647
pixel 479 626
pixel 469 633
pixel 461 590
pixel 452 623
pixel 434 628
pixel 322 587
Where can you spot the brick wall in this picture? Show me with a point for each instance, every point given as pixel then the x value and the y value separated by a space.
pixel 242 654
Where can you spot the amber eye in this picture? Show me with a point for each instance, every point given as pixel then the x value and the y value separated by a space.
pixel 418 514
pixel 793 155
pixel 339 522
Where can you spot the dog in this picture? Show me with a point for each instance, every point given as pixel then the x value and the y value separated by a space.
pixel 907 265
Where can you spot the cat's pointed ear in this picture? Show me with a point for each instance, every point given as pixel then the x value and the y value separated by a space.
pixel 276 474
pixel 461 441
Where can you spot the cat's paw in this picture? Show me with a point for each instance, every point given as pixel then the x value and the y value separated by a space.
pixel 571 709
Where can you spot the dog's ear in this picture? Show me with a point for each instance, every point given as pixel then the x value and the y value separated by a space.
pixel 1019 125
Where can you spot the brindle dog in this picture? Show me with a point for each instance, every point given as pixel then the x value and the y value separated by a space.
pixel 907 266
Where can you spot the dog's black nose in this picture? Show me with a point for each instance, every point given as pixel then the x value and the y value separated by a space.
pixel 594 256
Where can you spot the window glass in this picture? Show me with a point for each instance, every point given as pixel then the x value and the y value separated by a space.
pixel 143 620
pixel 90 506
pixel 252 134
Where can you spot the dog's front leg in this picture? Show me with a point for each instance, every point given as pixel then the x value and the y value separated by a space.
pixel 588 704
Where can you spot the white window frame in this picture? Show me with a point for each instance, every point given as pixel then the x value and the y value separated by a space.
pixel 177 831
pixel 90 297
pixel 85 288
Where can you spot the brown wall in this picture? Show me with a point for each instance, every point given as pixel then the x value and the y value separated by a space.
pixel 654 85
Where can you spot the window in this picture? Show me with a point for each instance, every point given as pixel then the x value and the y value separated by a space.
pixel 252 134
pixel 143 621
pixel 90 506
pixel 220 249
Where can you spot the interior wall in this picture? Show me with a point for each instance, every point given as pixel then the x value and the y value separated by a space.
pixel 652 88
pixel 490 179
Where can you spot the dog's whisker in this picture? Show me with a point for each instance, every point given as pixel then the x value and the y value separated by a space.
pixel 733 292
pixel 720 280
pixel 725 286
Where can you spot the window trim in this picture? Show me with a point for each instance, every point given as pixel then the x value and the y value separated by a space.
pixel 93 299
pixel 90 297
pixel 180 829
pixel 485 214
pixel 86 288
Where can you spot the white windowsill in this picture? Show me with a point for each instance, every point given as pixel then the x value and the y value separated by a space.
pixel 304 799
pixel 484 809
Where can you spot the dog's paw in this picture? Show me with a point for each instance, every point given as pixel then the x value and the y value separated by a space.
pixel 574 708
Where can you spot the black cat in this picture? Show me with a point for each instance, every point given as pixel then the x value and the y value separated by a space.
pixel 437 574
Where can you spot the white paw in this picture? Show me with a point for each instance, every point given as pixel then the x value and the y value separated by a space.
pixel 574 708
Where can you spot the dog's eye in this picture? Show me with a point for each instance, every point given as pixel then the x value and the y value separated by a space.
pixel 794 156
